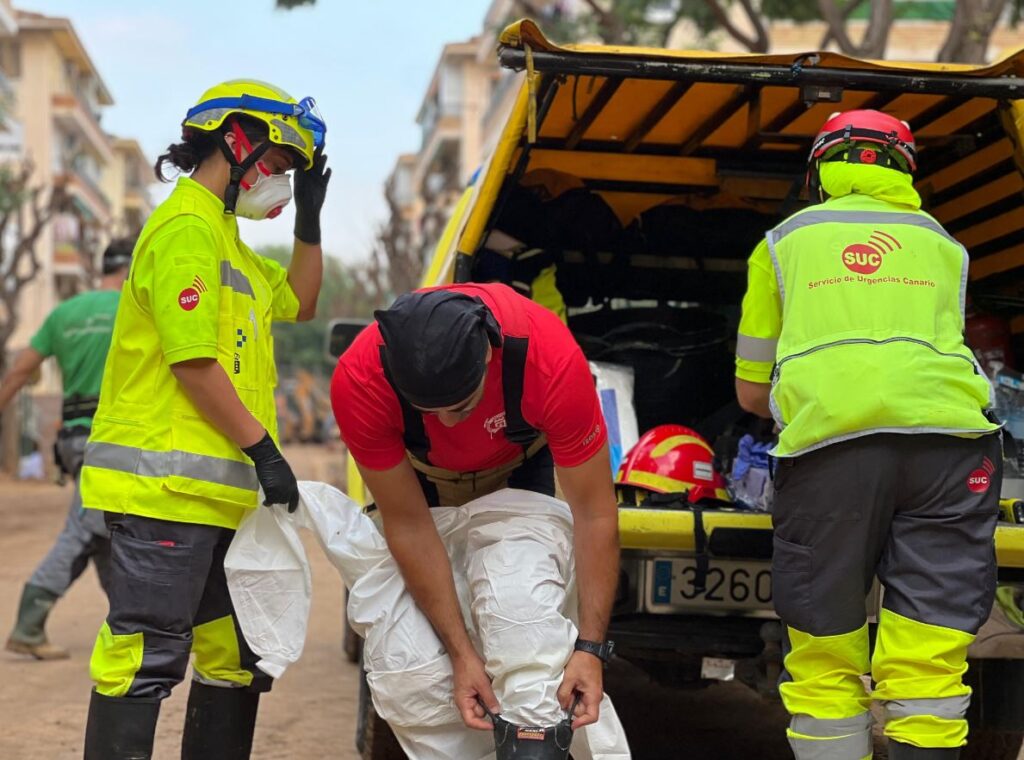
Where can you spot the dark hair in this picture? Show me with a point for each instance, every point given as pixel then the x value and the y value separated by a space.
pixel 196 146
pixel 118 254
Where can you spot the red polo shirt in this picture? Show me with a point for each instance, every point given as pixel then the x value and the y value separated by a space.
pixel 559 398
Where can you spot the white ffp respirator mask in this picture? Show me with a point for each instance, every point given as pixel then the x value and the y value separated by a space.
pixel 265 198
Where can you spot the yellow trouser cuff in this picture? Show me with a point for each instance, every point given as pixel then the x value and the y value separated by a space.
pixel 116 658
pixel 927 731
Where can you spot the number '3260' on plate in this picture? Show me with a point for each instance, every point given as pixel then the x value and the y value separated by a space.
pixel 735 585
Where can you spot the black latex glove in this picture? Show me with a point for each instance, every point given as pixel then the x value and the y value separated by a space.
pixel 274 473
pixel 309 191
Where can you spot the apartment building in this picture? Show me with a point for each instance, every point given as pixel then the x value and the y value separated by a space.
pixel 126 184
pixel 59 98
pixel 53 98
pixel 460 118
pixel 11 132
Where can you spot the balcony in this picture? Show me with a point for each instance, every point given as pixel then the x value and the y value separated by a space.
pixel 67 245
pixel 85 195
pixel 73 115
pixel 442 137
pixel 136 199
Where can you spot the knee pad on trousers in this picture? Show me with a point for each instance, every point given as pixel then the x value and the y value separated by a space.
pixel 512 742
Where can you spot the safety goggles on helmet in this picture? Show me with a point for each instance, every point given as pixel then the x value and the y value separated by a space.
pixel 305 111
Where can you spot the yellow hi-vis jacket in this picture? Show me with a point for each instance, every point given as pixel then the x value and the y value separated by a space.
pixel 865 317
pixel 194 291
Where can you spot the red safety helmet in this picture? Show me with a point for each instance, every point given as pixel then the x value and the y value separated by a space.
pixel 670 459
pixel 849 127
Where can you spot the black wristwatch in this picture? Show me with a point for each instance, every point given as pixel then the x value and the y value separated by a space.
pixel 602 650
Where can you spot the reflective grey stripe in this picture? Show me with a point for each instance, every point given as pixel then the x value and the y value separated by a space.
pixel 950 708
pixel 773 407
pixel 756 349
pixel 197 676
pixel 809 218
pixel 963 282
pixel 159 464
pixel 808 726
pixel 853 747
pixel 289 135
pixel 770 237
pixel 234 279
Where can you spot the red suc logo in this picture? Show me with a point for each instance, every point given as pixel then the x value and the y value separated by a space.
pixel 188 299
pixel 866 258
pixel 980 480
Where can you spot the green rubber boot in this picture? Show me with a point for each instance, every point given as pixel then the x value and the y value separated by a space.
pixel 29 634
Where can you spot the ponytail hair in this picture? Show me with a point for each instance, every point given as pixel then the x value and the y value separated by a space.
pixel 196 145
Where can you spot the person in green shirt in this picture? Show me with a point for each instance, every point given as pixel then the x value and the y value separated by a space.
pixel 78 334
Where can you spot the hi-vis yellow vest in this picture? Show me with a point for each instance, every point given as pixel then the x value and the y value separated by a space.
pixel 872 327
pixel 151 452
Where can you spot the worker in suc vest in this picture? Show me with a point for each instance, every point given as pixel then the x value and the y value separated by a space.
pixel 887 463
pixel 459 405
pixel 184 436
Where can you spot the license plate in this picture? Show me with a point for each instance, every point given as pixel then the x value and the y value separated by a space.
pixel 729 585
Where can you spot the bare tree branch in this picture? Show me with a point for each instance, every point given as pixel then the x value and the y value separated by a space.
pixel 613 29
pixel 836 25
pixel 971 29
pixel 876 37
pixel 847 12
pixel 756 44
pixel 20 265
pixel 527 7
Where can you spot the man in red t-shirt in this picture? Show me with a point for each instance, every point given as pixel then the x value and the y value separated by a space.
pixel 459 406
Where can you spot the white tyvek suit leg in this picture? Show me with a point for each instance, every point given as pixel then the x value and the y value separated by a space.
pixel 504 544
pixel 511 555
pixel 520 571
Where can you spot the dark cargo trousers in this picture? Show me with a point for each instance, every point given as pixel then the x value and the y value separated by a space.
pixel 169 598
pixel 919 512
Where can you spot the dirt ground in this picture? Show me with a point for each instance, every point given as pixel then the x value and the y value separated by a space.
pixel 311 712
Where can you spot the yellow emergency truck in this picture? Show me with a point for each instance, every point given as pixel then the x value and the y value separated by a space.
pixel 626 192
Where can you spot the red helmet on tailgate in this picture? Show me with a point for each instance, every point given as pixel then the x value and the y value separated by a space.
pixel 673 459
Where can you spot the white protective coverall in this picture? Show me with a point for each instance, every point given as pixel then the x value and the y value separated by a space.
pixel 511 555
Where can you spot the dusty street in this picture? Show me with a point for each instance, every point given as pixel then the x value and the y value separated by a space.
pixel 311 712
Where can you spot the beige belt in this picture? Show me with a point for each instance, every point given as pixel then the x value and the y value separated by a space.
pixel 457 488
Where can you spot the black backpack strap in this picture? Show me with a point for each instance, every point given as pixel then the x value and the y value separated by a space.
pixel 415 436
pixel 513 369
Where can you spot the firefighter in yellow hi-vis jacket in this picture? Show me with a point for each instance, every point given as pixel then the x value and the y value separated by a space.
pixel 887 464
pixel 184 436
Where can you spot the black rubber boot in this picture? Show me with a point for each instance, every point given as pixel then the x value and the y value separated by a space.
pixel 901 751
pixel 219 723
pixel 512 742
pixel 29 634
pixel 120 728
